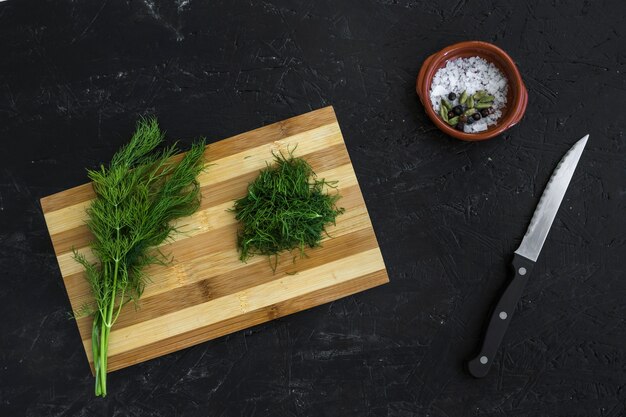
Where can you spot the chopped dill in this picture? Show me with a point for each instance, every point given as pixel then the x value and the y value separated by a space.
pixel 286 208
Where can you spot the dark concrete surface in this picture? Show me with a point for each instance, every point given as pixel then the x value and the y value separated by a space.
pixel 75 76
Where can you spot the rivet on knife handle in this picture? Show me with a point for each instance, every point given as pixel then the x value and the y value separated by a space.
pixel 500 317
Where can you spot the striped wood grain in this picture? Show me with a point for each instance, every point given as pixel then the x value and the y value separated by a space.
pixel 206 292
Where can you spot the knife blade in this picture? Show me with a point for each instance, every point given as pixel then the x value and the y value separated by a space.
pixel 525 257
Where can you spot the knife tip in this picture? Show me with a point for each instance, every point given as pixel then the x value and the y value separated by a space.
pixel 583 140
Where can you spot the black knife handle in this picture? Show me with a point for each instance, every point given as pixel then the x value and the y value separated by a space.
pixel 500 317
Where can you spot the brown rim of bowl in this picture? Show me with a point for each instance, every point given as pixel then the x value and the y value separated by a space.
pixel 474 48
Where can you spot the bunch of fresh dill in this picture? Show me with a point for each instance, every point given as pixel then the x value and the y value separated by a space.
pixel 286 208
pixel 137 196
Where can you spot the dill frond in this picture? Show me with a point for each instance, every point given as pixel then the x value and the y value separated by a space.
pixel 137 196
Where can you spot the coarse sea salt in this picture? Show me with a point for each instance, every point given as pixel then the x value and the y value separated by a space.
pixel 471 75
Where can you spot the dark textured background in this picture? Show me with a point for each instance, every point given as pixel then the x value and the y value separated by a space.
pixel 75 76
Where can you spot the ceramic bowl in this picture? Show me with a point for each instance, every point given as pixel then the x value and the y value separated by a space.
pixel 517 96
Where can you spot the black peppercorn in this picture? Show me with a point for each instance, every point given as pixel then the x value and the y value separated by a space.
pixel 476 116
pixel 484 112
pixel 458 110
pixel 463 118
pixel 460 126
pixel 469 121
pixel 451 114
pixel 451 96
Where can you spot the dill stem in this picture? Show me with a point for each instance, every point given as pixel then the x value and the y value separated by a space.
pixel 119 307
pixel 108 323
pixel 111 306
pixel 106 329
pixel 102 371
pixel 94 346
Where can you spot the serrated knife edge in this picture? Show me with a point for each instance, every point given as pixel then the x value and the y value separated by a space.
pixel 550 202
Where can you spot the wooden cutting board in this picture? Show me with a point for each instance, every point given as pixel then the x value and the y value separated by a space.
pixel 206 292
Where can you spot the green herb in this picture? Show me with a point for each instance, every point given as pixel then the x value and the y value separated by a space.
pixel 453 121
pixel 446 104
pixel 469 112
pixel 486 99
pixel 481 105
pixel 286 208
pixel 470 102
pixel 137 196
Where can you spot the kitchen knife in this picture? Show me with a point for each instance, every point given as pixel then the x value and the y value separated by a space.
pixel 525 257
